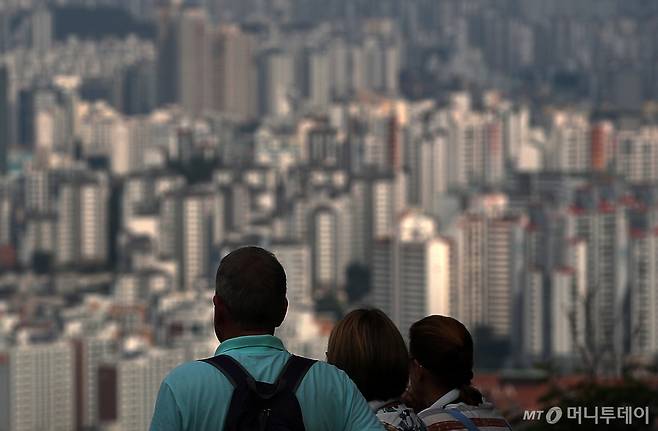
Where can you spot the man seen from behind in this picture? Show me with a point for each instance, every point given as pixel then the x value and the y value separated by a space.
pixel 253 382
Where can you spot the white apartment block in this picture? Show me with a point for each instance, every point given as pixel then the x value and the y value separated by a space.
pixel 38 381
pixel 412 272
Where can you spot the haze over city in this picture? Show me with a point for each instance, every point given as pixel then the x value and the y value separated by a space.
pixel 491 160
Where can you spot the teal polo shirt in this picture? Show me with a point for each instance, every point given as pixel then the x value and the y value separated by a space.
pixel 196 396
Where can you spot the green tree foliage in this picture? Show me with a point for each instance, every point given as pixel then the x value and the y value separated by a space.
pixel 98 22
pixel 329 303
pixel 196 170
pixel 490 350
pixel 42 262
pixel 358 282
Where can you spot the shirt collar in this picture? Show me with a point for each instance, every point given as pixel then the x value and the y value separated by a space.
pixel 448 398
pixel 375 405
pixel 267 341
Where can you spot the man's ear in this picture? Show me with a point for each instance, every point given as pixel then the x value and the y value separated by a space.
pixel 219 316
pixel 284 311
pixel 220 308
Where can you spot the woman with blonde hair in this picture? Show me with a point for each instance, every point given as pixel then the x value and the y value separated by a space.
pixel 367 345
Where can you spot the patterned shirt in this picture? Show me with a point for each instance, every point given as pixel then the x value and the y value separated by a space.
pixel 395 416
pixel 483 416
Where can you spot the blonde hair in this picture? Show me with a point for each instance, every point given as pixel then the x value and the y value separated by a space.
pixel 367 345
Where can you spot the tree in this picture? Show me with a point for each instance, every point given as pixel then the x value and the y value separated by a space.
pixel 196 170
pixel 329 303
pixel 490 349
pixel 599 355
pixel 42 262
pixel 358 282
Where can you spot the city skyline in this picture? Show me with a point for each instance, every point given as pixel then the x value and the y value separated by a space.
pixel 493 163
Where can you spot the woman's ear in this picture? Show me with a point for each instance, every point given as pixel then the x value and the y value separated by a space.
pixel 414 369
pixel 413 396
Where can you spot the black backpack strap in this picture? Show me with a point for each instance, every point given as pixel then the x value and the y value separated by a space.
pixel 293 372
pixel 241 380
pixel 289 379
pixel 234 372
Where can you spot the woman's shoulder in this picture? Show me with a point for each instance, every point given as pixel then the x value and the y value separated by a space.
pixel 483 416
pixel 397 416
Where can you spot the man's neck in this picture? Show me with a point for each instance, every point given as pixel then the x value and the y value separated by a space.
pixel 243 333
